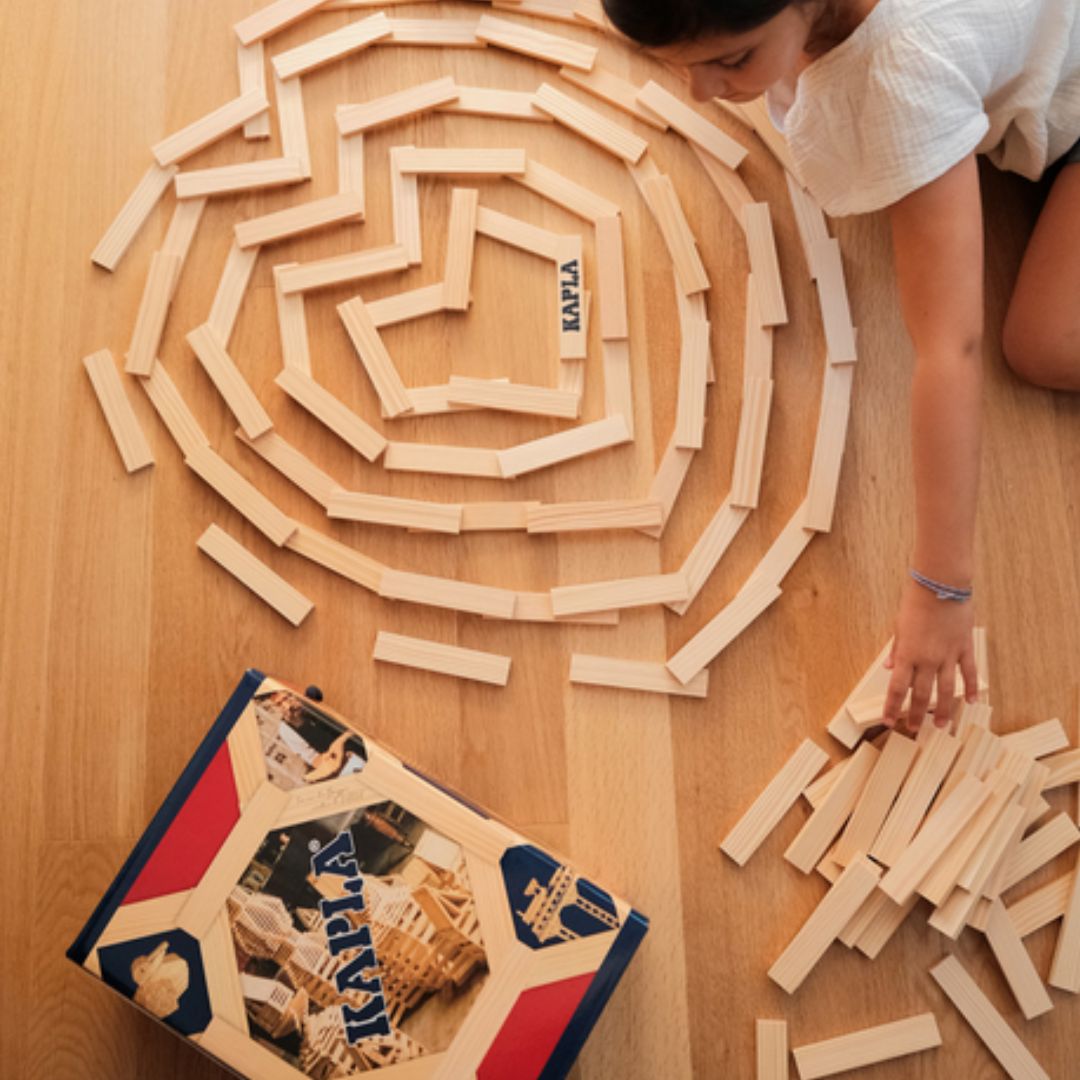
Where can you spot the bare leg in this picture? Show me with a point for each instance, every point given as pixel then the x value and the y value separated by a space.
pixel 1042 329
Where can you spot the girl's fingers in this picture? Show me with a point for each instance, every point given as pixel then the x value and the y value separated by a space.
pixel 922 683
pixel 894 698
pixel 946 692
pixel 971 676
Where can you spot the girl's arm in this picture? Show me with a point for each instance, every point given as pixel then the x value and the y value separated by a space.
pixel 938 248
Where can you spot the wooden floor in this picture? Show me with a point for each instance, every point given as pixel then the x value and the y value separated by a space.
pixel 119 641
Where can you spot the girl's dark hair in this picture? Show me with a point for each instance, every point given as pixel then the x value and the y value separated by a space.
pixel 655 23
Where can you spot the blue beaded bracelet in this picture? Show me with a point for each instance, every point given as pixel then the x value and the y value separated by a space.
pixel 942 592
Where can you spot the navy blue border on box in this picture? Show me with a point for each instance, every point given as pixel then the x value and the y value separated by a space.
pixel 140 854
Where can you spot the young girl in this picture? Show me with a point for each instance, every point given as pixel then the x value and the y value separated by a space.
pixel 885 103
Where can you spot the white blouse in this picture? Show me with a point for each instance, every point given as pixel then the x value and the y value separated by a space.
pixel 920 84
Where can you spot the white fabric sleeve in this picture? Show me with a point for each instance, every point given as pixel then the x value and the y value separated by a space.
pixel 865 138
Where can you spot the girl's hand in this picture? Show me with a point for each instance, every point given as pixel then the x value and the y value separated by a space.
pixel 932 637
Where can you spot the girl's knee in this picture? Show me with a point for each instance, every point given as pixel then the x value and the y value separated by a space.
pixel 1041 353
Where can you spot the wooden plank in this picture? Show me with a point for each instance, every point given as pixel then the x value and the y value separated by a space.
pixel 823 825
pixel 536 607
pixel 210 128
pixel 117 238
pixel 572 301
pixel 298 220
pixel 442 460
pixel 251 571
pixel 778 796
pixel 405 208
pixel 183 225
pixel 617 594
pixel 709 548
pixel 642 675
pixel 401 307
pixel 222 974
pixel 748 603
pixel 334 414
pixel 293 465
pixel 443 33
pixel 974 1006
pixel 445 659
pixel 771 1049
pixel 336 557
pixel 1039 740
pixel 886 920
pixel 564 446
pixel 670 219
pixel 809 220
pixel 389 109
pixel 389 510
pixel 757 340
pixel 460 244
pixel 611 278
pixel 173 410
pixel 1016 965
pixel 860 1049
pixel 517 233
pixel 593 516
pixel 824 924
pixel 322 273
pixel 130 441
pixel 292 325
pixel 230 179
pixel 1064 769
pixel 514 397
pixel 375 357
pixel 333 46
pixel 764 263
pixel 1043 906
pixel 251 67
pixel 616 91
pixel 589 124
pixel 495 102
pixel 460 161
pixel 350 156
pixel 540 45
pixel 829 447
pixel 556 10
pixel 273 18
pixel 566 193
pixel 692 125
pixel 750 442
pixel 728 183
pixel 153 311
pixel 218 474
pixel 833 299
pixel 500 517
pixel 230 384
pixel 619 400
pixel 447 593
pixel 239 265
pixel 693 377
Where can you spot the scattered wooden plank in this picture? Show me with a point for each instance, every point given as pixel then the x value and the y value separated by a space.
pixel 809 220
pixel 182 228
pixel 173 410
pixel 1064 769
pixel 860 1049
pixel 556 10
pixel 405 207
pixel 771 1048
pixel 373 262
pixel 764 263
pixel 441 33
pixel 974 1006
pixel 538 44
pixel 593 516
pixel 517 233
pixel 824 924
pixel 460 243
pixel 132 216
pixel 616 91
pixel 297 220
pixel 218 474
pixel 748 603
pixel 350 155
pixel 886 920
pixel 336 557
pixel 611 278
pixel 589 124
pixel 619 400
pixel 401 307
pixel 499 517
pixel 434 656
pixel 230 384
pixel 1035 851
pixel 442 460
pixel 617 594
pixel 388 510
pixel 781 793
pixel 829 446
pixel 446 593
pixel 293 465
pixel 536 607
pixel 377 112
pixel 375 357
pixel 566 193
pixel 692 125
pixel 251 66
pixel 454 161
pixel 514 397
pixel 333 46
pixel 564 446
pixel 728 183
pixel 494 102
pixel 153 311
pixel 1043 906
pixel 1016 965
pixel 251 571
pixel 229 179
pixel 273 18
pixel 210 128
pixel 239 265
pixel 709 548
pixel 750 443
pixel 693 379
pixel 828 271
pixel 633 675
pixel 292 325
pixel 670 219
pixel 1039 740
pixel 134 450
pixel 334 414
